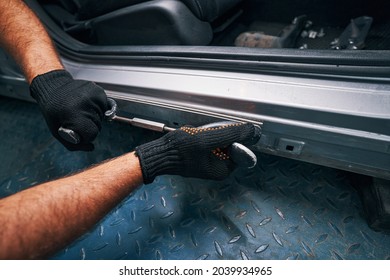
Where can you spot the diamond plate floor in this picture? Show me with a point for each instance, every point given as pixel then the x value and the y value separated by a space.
pixel 282 209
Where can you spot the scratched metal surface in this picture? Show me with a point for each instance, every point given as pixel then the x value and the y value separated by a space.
pixel 281 209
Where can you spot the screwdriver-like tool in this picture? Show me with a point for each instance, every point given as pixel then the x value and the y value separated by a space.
pixel 72 137
pixel 142 123
pixel 240 154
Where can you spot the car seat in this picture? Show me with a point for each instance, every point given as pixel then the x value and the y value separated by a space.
pixel 140 22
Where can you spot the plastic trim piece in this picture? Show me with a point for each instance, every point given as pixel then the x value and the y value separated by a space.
pixel 150 23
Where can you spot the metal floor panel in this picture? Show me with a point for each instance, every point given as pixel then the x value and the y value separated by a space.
pixel 281 209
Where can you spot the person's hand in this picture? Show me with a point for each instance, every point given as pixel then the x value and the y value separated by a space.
pixel 72 104
pixel 195 152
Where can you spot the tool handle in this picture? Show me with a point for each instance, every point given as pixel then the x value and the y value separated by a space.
pixel 240 154
pixel 73 137
pixel 69 135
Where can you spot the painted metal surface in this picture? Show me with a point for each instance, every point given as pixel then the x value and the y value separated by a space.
pixel 338 123
pixel 281 209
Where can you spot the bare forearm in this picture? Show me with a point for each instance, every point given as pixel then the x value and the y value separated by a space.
pixel 26 40
pixel 41 220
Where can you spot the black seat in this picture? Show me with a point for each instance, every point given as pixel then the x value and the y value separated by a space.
pixel 140 22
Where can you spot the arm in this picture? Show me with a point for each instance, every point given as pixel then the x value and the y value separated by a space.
pixel 64 102
pixel 41 220
pixel 26 40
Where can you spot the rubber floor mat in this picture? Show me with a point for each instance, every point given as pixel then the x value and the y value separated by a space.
pixel 281 209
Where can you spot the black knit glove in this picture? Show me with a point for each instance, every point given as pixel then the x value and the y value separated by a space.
pixel 73 104
pixel 194 152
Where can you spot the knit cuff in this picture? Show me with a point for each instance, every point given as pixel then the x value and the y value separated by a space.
pixel 157 158
pixel 42 85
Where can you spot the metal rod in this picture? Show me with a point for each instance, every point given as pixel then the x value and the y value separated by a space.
pixel 146 124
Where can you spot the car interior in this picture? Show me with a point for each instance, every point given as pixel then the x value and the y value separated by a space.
pixel 312 24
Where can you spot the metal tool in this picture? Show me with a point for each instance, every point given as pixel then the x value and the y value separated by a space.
pixel 72 137
pixel 240 154
pixel 142 123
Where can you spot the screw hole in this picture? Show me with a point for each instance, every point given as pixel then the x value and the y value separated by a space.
pixel 290 148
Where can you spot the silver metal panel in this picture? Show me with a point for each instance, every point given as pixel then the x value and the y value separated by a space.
pixel 343 124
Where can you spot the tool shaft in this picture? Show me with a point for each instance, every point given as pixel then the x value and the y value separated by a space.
pixel 146 124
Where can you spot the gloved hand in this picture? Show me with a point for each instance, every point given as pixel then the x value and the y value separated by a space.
pixel 194 152
pixel 73 104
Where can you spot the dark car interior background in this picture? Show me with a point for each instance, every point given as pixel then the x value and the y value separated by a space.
pixel 310 24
